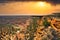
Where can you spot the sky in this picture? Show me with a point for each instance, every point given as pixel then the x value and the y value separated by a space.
pixel 31 7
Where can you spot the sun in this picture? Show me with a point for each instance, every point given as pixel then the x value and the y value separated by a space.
pixel 42 4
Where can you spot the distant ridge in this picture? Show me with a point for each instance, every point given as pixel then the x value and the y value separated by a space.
pixel 20 19
pixel 54 15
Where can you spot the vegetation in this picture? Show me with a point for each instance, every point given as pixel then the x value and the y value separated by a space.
pixel 32 28
pixel 34 31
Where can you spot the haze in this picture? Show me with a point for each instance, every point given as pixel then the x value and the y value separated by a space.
pixel 28 8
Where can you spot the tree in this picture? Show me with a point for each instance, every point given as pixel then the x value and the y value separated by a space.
pixel 32 27
pixel 46 23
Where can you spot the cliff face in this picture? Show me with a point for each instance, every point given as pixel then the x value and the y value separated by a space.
pixel 31 27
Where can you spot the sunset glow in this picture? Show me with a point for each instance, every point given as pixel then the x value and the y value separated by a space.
pixel 42 4
pixel 28 8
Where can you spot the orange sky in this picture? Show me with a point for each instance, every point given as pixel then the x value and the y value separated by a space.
pixel 28 8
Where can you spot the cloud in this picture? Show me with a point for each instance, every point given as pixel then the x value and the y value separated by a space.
pixel 51 1
pixel 27 8
pixel 54 1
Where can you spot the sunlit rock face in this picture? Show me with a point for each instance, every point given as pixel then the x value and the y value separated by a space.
pixel 27 27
